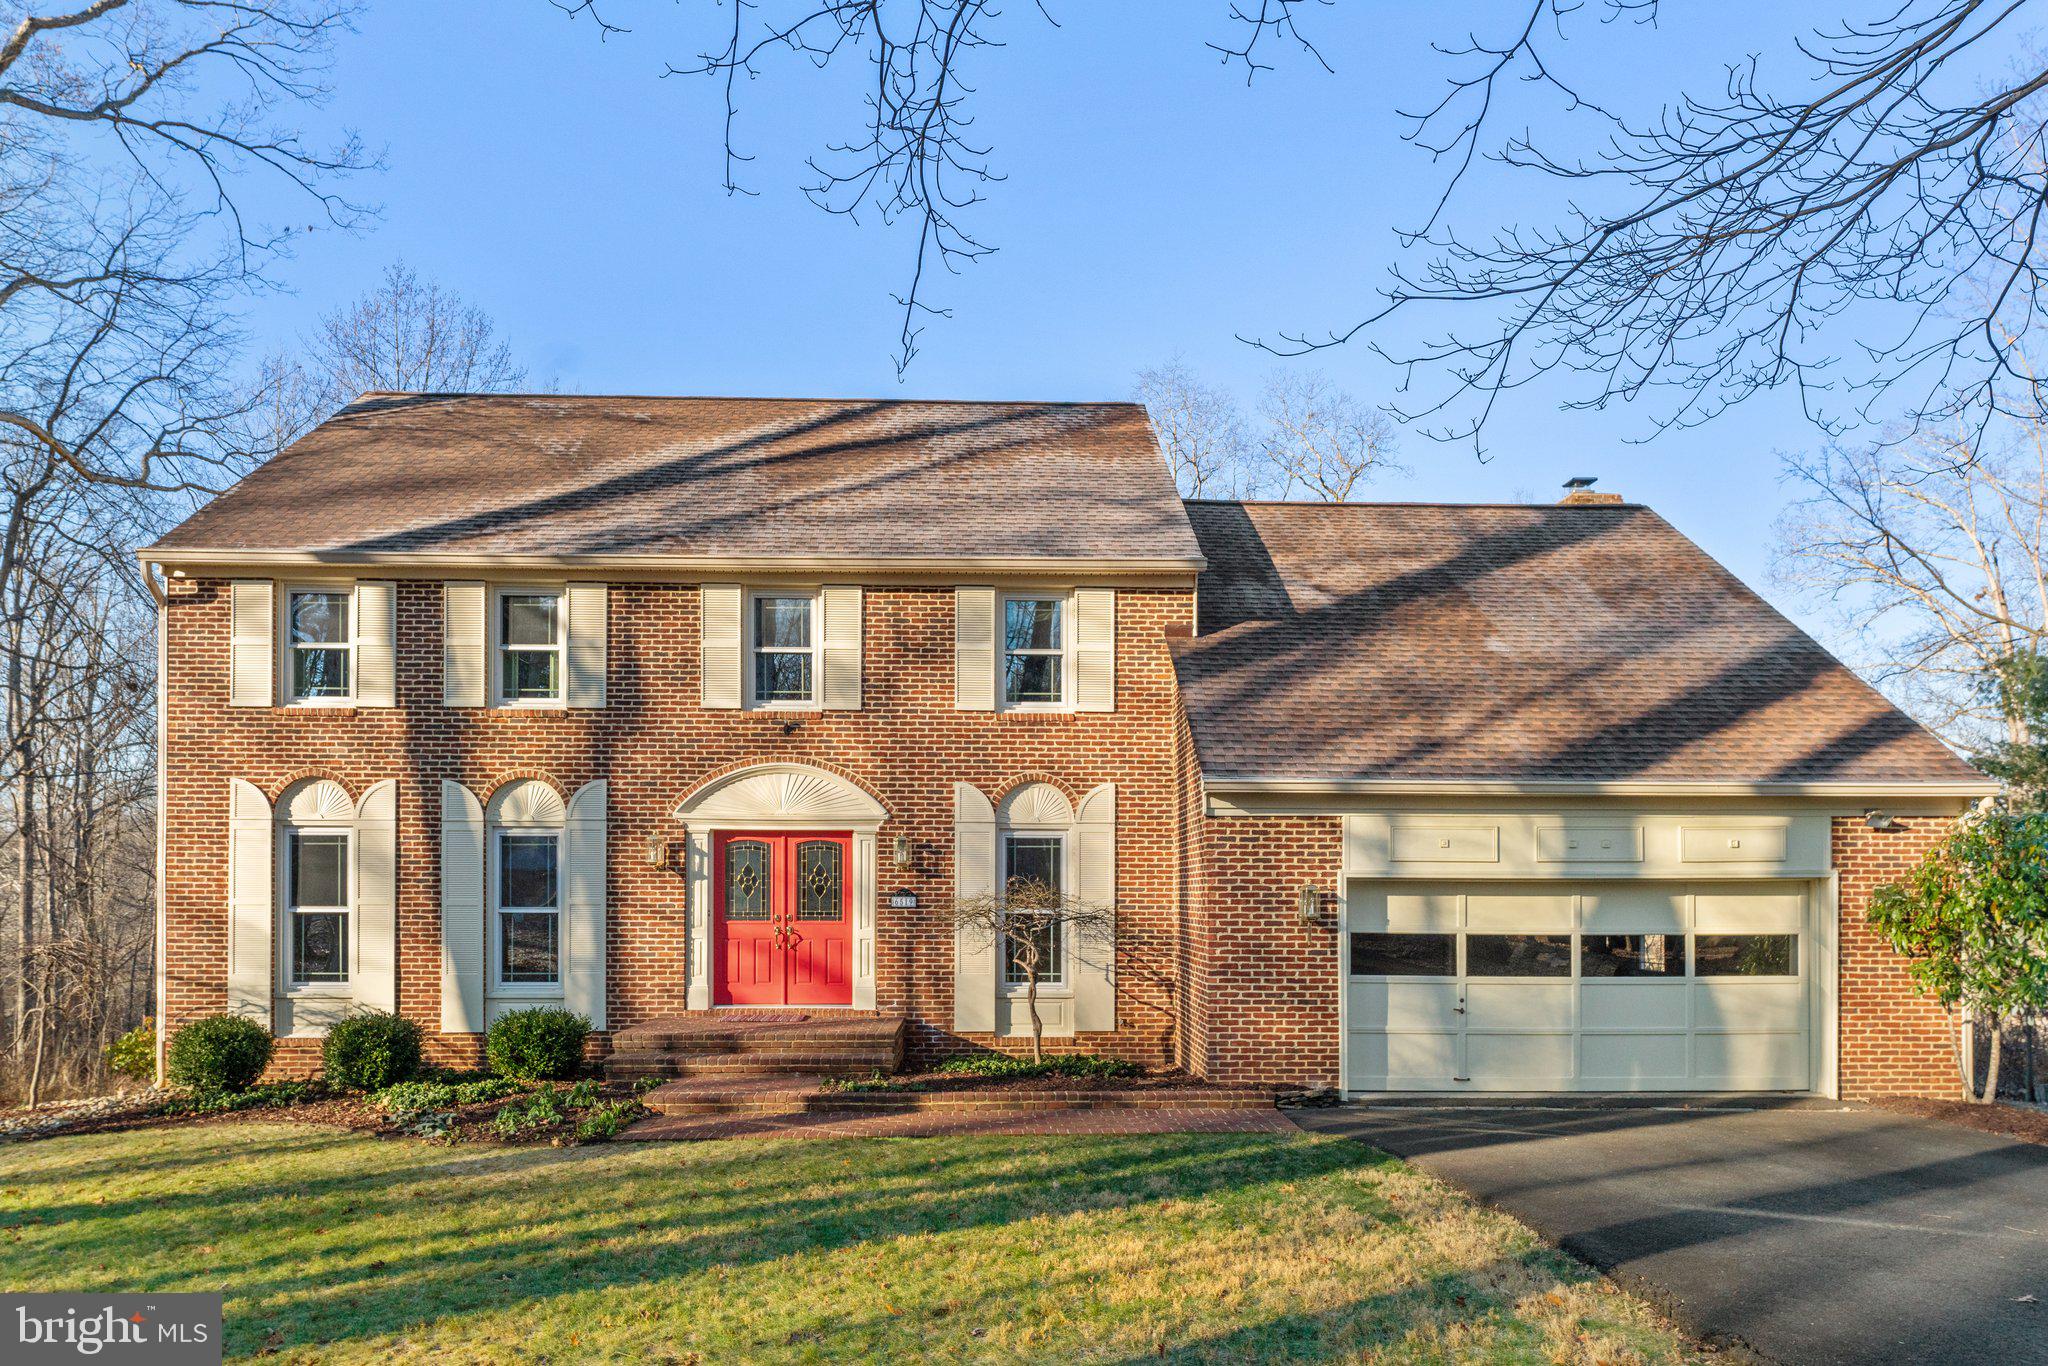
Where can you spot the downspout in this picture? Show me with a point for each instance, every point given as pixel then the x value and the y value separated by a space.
pixel 157 595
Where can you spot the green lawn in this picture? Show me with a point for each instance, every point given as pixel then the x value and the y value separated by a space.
pixel 1198 1247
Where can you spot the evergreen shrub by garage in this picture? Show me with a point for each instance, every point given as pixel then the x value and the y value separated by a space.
pixel 133 1055
pixel 218 1054
pixel 371 1052
pixel 543 1043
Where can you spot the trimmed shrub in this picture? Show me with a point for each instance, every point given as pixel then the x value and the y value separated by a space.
pixel 218 1054
pixel 544 1043
pixel 133 1055
pixel 371 1052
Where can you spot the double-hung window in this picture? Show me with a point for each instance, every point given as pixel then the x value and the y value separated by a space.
pixel 317 906
pixel 529 908
pixel 317 625
pixel 1032 939
pixel 783 632
pixel 1034 651
pixel 529 646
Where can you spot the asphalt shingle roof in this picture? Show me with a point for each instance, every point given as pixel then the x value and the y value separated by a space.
pixel 1513 643
pixel 709 477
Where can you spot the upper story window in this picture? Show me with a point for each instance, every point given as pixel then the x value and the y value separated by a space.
pixel 530 646
pixel 318 636
pixel 316 906
pixel 783 636
pixel 527 893
pixel 1034 651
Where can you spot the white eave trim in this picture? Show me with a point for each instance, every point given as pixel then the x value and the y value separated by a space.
pixel 1040 565
pixel 1410 787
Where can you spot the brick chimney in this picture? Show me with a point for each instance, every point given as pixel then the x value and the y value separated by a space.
pixel 1578 492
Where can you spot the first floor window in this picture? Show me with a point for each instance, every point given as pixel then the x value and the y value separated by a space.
pixel 1033 652
pixel 782 650
pixel 530 647
pixel 319 636
pixel 1032 937
pixel 316 882
pixel 529 908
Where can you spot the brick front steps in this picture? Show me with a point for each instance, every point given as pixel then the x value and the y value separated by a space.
pixel 805 1095
pixel 738 1044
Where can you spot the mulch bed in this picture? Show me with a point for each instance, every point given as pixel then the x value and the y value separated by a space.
pixel 2009 1121
pixel 351 1112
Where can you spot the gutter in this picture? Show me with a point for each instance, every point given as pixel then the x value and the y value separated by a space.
pixel 1412 787
pixel 181 557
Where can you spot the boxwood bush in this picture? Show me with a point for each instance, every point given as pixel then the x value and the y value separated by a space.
pixel 218 1054
pixel 543 1043
pixel 133 1055
pixel 371 1052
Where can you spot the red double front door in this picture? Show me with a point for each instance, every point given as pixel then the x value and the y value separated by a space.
pixel 783 919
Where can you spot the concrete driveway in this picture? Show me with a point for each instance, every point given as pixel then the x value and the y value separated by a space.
pixel 1807 1231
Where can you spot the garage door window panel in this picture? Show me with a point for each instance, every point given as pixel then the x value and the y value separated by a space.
pixel 1403 955
pixel 1632 955
pixel 1518 955
pixel 1745 955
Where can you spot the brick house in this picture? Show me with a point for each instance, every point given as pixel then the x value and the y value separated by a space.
pixel 657 706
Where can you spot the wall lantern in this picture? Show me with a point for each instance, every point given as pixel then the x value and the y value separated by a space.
pixel 1311 906
pixel 657 852
pixel 903 851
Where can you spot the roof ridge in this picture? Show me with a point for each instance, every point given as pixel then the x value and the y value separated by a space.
pixel 755 398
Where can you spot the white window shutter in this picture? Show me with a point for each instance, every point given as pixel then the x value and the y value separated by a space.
pixel 842 640
pixel 974 649
pixel 376 970
pixel 1095 649
pixel 252 904
pixel 719 643
pixel 463 666
pixel 462 910
pixel 252 643
pixel 974 875
pixel 1095 880
pixel 376 644
pixel 583 904
pixel 587 626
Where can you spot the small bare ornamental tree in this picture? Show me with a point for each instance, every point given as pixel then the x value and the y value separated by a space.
pixel 1031 924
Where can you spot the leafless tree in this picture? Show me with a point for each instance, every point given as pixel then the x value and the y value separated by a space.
pixel 1928 553
pixel 1812 222
pixel 1320 440
pixel 133 136
pixel 1201 429
pixel 1031 924
pixel 404 335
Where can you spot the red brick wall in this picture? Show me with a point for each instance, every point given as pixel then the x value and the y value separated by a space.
pixel 1269 982
pixel 1894 1041
pixel 654 743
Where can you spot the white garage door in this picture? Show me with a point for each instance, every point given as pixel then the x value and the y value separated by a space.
pixel 1578 987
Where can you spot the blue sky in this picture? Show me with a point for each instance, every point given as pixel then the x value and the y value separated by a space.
pixel 1154 205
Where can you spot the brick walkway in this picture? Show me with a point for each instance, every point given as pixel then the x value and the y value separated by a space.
pixel 947 1124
